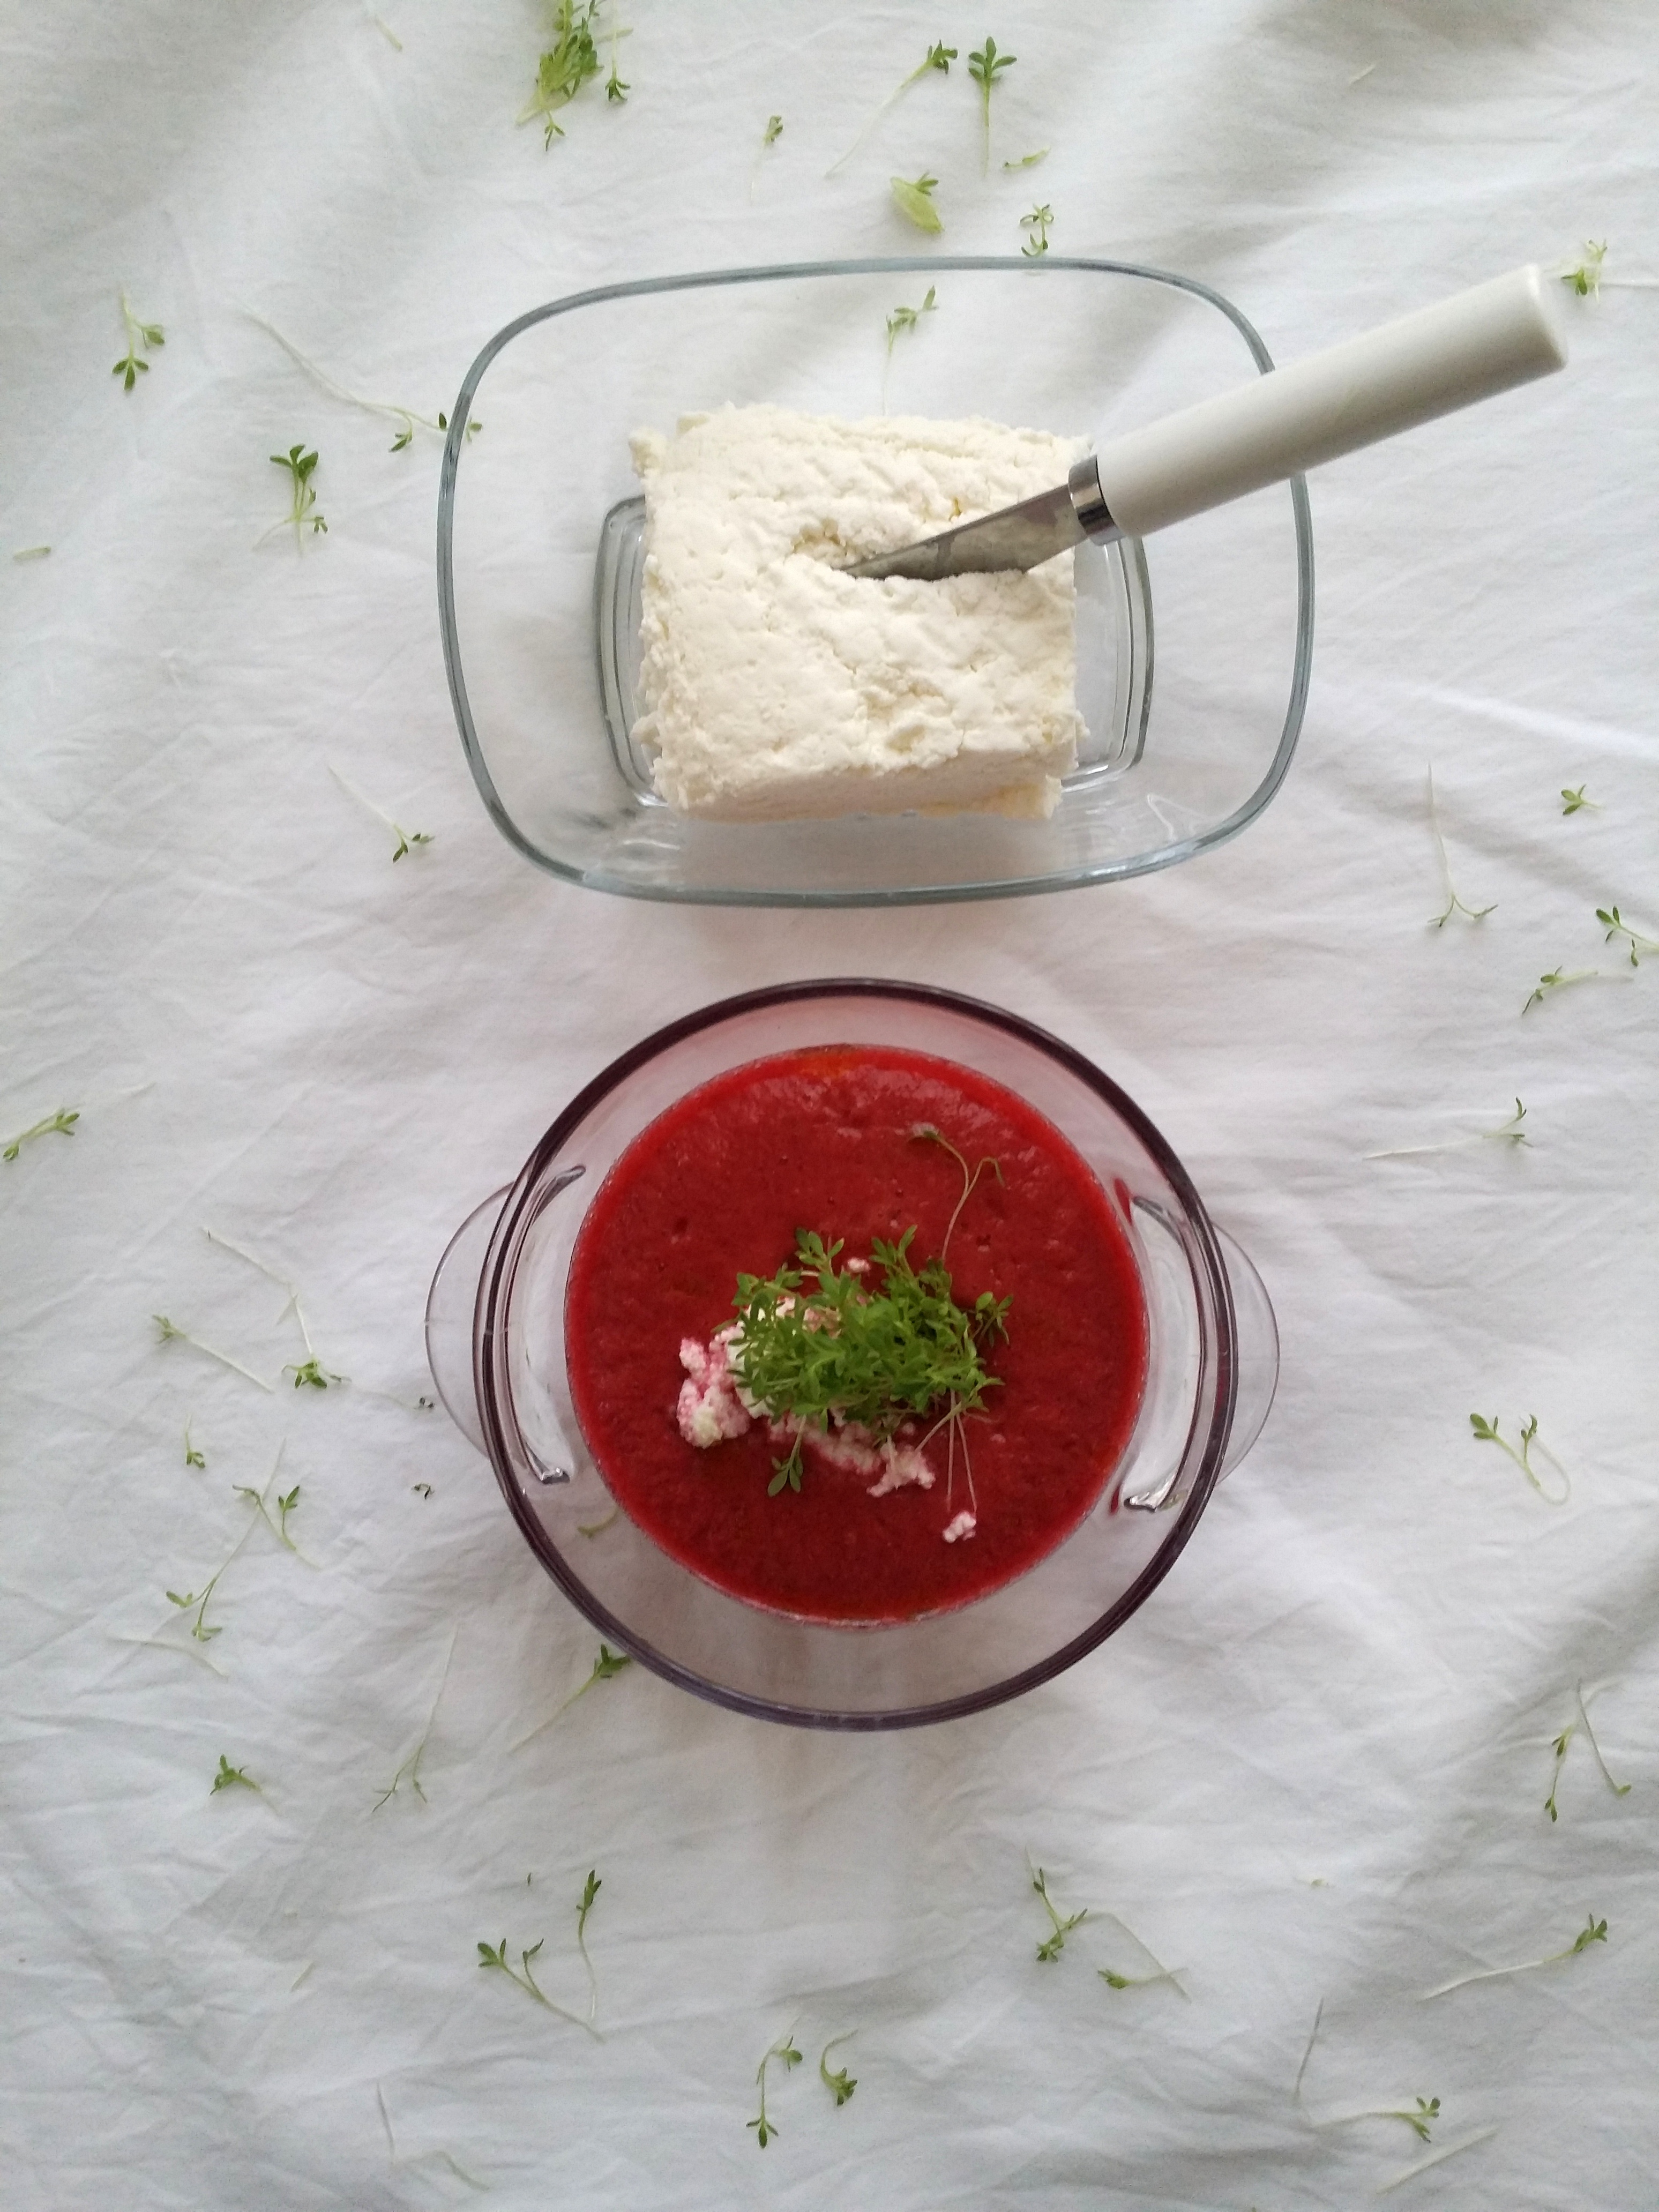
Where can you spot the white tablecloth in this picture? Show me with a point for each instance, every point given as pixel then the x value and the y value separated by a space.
pixel 1314 1767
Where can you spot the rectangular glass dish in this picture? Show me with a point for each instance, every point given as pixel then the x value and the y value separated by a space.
pixel 1193 654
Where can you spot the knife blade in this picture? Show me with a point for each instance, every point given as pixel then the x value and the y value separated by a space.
pixel 1423 365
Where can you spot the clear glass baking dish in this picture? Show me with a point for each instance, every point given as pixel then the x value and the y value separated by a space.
pixel 1193 653
pixel 496 1341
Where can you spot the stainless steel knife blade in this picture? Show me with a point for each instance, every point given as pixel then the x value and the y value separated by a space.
pixel 1013 538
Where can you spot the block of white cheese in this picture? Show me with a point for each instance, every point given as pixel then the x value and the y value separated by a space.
pixel 774 686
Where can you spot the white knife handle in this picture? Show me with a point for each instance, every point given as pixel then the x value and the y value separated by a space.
pixel 1429 363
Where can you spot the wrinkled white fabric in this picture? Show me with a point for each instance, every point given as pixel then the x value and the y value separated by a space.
pixel 1314 1766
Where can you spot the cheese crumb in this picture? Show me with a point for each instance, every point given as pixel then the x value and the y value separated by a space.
pixel 777 687
pixel 963 1525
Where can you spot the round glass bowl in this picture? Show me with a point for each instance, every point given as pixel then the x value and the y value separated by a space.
pixel 1190 727
pixel 495 1340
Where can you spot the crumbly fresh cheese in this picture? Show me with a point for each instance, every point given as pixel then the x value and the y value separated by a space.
pixel 714 1405
pixel 775 686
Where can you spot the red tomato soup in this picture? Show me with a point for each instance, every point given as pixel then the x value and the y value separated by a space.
pixel 825 1139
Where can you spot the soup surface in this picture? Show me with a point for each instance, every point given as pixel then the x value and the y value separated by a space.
pixel 827 1139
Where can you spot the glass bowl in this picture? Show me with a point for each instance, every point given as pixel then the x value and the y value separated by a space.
pixel 495 1340
pixel 539 557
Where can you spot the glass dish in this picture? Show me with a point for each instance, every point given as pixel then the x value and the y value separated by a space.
pixel 495 1340
pixel 539 557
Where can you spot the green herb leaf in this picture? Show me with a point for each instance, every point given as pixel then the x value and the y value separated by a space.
pixel 566 67
pixel 985 66
pixel 193 1457
pixel 129 367
pixel 784 2051
pixel 60 1124
pixel 229 1776
pixel 300 466
pixel 591 1889
pixel 1453 904
pixel 1616 925
pixel 1486 1432
pixel 1573 801
pixel 841 2084
pixel 1593 1931
pixel 1028 160
pixel 906 318
pixel 1586 278
pixel 1038 223
pixel 939 57
pixel 1050 1949
pixel 914 197
pixel 773 130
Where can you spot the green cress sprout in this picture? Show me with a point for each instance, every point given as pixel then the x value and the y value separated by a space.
pixel 1615 926
pixel 783 2049
pixel 1507 1132
pixel 278 1527
pixel 1557 980
pixel 196 1602
pixel 984 66
pixel 60 1124
pixel 914 197
pixel 495 1955
pixel 591 1889
pixel 172 1333
pixel 300 466
pixel 1559 1743
pixel 406 838
pixel 939 57
pixel 841 2084
pixel 1420 2121
pixel 1486 1432
pixel 1572 801
pixel 421 1489
pixel 129 368
pixel 773 132
pixel 1586 279
pixel 310 1371
pixel 1453 904
pixel 875 1356
pixel 410 1771
pixel 1028 160
pixel 1593 1931
pixel 33 553
pixel 901 319
pixel 1050 1949
pixel 229 1777
pixel 1437 2158
pixel 193 1457
pixel 615 90
pixel 566 65
pixel 407 419
pixel 1038 223
pixel 606 1668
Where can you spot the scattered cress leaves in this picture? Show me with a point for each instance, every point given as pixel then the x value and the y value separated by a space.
pixel 939 57
pixel 985 66
pixel 407 838
pixel 407 419
pixel 1586 278
pixel 567 66
pixel 494 1955
pixel 1028 160
pixel 1573 801
pixel 1486 1432
pixel 60 1124
pixel 410 1771
pixel 310 1371
pixel 899 323
pixel 1039 223
pixel 773 130
pixel 591 1889
pixel 302 508
pixel 421 1489
pixel 1419 2120
pixel 841 2084
pixel 1557 979
pixel 171 1333
pixel 1560 1745
pixel 149 336
pixel 1593 1931
pixel 229 1777
pixel 1050 1949
pixel 606 1668
pixel 784 2051
pixel 1616 925
pixel 193 1456
pixel 1507 1132
pixel 913 198
pixel 1453 904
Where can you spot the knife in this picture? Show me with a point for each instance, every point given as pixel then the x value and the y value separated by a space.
pixel 1431 362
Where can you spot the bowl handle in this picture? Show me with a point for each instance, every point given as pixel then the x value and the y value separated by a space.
pixel 1258 1350
pixel 451 1304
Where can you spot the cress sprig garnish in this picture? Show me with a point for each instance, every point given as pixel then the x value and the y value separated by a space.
pixel 939 57
pixel 1558 1745
pixel 1050 1949
pixel 841 2084
pixel 407 419
pixel 1593 1931
pixel 1615 925
pixel 1486 1432
pixel 410 1771
pixel 566 67
pixel 913 198
pixel 985 65
pixel 302 466
pixel 131 367
pixel 784 2051
pixel 494 1955
pixel 900 322
pixel 230 1777
pixel 1573 801
pixel 1420 2120
pixel 309 1372
pixel 1508 1132
pixel 1453 904
pixel 591 1889
pixel 815 1339
pixel 171 1333
pixel 606 1668
pixel 1039 223
pixel 62 1123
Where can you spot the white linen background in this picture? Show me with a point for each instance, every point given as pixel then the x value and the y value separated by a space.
pixel 1314 1766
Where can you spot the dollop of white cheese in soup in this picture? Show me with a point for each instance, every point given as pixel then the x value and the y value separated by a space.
pixel 775 686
